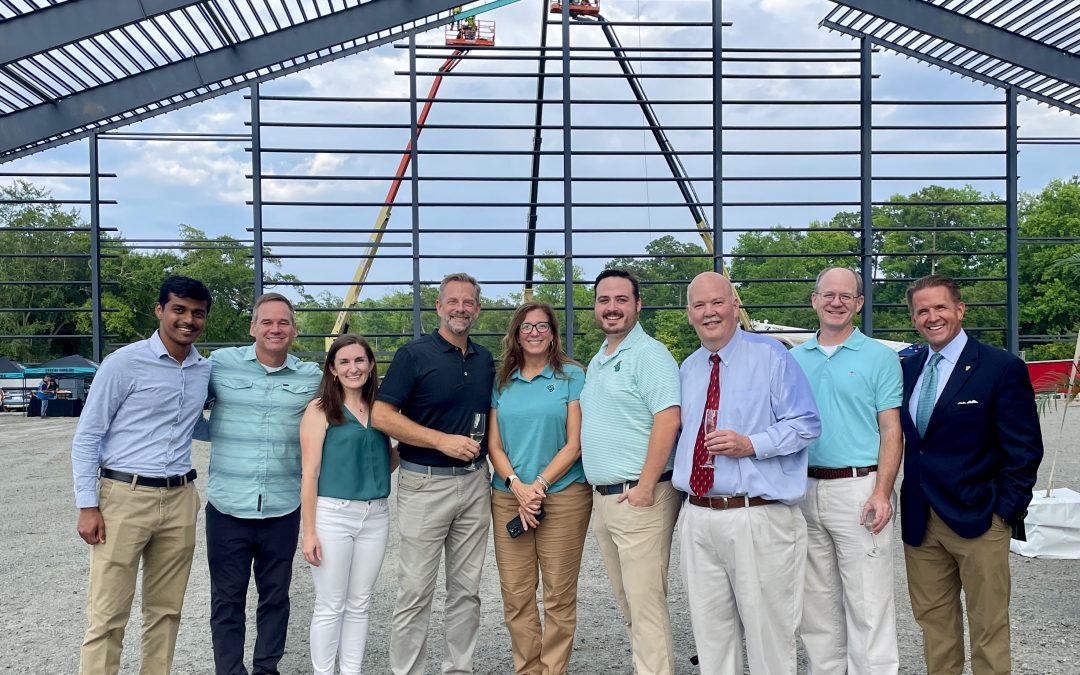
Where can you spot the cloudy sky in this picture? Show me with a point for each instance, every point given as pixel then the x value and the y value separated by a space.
pixel 204 184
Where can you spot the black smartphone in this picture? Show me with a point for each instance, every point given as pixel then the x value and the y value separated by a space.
pixel 516 529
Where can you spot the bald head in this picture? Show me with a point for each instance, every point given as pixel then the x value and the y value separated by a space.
pixel 837 299
pixel 711 308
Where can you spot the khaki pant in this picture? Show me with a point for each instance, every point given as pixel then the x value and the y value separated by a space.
pixel 553 550
pixel 436 514
pixel 744 572
pixel 157 526
pixel 937 570
pixel 636 546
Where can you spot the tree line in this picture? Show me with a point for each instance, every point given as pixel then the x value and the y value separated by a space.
pixel 954 231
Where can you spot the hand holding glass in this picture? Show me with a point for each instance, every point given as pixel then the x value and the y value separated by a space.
pixel 709 422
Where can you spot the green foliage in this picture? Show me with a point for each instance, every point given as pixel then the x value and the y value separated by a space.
pixel 919 233
pixel 36 231
pixel 1050 283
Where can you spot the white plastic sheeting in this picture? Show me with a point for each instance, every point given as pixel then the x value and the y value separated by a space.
pixel 1053 526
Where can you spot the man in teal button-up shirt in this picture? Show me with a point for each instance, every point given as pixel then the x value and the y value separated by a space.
pixel 259 393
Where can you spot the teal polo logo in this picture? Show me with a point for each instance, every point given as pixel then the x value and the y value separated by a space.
pixel 551 387
pixel 618 366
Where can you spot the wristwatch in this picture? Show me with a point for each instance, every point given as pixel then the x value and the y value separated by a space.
pixel 510 480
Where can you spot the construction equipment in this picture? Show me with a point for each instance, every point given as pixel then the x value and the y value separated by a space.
pixel 342 324
pixel 578 7
pixel 682 180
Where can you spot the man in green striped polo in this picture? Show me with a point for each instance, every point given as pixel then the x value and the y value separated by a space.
pixel 630 417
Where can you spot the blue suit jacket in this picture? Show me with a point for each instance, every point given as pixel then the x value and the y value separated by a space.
pixel 982 448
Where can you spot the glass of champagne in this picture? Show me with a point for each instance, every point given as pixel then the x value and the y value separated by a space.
pixel 869 525
pixel 709 422
pixel 478 427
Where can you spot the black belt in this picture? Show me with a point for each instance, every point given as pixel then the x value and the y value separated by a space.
pixel 619 488
pixel 823 473
pixel 149 481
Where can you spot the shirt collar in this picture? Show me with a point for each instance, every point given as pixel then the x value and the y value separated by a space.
pixel 547 373
pixel 854 341
pixel 250 355
pixel 159 349
pixel 446 345
pixel 727 352
pixel 631 338
pixel 951 352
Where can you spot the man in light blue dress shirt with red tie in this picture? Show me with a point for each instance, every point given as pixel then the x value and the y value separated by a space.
pixel 743 537
pixel 131 460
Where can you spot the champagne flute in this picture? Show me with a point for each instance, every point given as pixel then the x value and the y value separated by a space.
pixel 709 422
pixel 869 525
pixel 478 427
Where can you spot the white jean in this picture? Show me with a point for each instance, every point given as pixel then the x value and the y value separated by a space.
pixel 743 570
pixel 353 539
pixel 849 615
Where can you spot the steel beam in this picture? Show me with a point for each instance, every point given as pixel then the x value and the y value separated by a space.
pixel 1012 225
pixel 256 191
pixel 96 330
pixel 973 34
pixel 58 25
pixel 131 93
pixel 568 184
pixel 866 181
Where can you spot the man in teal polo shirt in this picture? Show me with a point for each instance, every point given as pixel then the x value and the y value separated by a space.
pixel 259 393
pixel 849 618
pixel 630 418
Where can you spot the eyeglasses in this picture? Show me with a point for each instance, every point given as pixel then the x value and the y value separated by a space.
pixel 540 326
pixel 846 298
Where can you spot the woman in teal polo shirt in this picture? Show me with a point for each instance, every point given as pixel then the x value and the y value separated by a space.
pixel 534 444
pixel 346 465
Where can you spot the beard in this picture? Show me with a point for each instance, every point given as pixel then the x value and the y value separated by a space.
pixel 455 327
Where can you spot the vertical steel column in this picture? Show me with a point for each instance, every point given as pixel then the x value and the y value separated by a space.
pixel 414 183
pixel 718 133
pixel 866 181
pixel 568 186
pixel 95 250
pixel 1012 225
pixel 534 187
pixel 256 190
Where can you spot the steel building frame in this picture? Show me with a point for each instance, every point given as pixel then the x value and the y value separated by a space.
pixel 316 42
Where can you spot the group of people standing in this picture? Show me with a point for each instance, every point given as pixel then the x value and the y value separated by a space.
pixel 787 461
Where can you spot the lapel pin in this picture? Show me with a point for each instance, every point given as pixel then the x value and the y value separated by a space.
pixel 967 368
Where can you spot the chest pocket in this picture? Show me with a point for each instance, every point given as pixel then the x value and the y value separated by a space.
pixel 299 389
pixel 234 383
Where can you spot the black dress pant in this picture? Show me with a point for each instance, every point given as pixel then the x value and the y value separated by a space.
pixel 235 547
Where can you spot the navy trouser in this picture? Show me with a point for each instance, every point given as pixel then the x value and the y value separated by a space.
pixel 234 547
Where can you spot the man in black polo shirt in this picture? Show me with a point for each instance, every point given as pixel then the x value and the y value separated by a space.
pixel 433 387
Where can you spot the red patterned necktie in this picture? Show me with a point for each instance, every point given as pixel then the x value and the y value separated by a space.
pixel 701 475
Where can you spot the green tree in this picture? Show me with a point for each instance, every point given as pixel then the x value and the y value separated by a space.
pixel 1050 292
pixel 33 239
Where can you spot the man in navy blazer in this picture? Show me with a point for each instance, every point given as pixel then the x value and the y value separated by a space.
pixel 973 447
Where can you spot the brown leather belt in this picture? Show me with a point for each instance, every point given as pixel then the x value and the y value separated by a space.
pixel 845 472
pixel 724 503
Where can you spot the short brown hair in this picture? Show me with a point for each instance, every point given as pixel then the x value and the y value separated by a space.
pixel 272 297
pixel 933 281
pixel 462 277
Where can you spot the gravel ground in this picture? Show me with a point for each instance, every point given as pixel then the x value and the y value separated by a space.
pixel 46 565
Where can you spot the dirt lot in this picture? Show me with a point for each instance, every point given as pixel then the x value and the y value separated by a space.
pixel 45 570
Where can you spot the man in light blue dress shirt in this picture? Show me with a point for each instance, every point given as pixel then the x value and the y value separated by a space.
pixel 743 542
pixel 131 460
pixel 259 394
